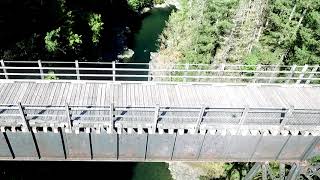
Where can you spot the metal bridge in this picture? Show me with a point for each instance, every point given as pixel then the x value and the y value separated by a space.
pixel 115 112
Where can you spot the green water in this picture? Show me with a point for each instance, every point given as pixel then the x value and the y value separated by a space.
pixel 146 39
pixel 151 171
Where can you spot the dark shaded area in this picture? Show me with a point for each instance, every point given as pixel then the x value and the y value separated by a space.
pixel 24 25
pixel 63 170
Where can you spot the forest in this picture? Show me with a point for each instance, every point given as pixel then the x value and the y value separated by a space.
pixel 250 32
pixel 201 31
pixel 61 30
pixel 244 32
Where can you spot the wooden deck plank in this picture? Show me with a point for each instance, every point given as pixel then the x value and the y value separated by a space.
pixel 164 94
pixel 81 94
pixel 22 92
pixel 12 93
pixel 5 92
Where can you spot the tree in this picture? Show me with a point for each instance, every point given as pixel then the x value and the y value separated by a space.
pixel 139 4
pixel 96 26
pixel 194 32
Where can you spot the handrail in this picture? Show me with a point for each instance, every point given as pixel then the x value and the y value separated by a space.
pixel 115 71
pixel 188 117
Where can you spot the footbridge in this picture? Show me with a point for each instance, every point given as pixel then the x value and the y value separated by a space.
pixel 118 112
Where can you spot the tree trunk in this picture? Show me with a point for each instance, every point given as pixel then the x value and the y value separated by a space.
pixel 292 12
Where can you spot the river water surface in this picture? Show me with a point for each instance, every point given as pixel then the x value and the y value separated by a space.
pixel 145 41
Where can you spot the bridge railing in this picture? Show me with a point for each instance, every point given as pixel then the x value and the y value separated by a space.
pixel 114 71
pixel 36 117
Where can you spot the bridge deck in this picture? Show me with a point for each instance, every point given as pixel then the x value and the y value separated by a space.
pixel 90 104
pixel 172 95
pixel 179 105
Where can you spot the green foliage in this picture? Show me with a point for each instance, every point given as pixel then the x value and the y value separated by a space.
pixel 74 40
pixel 63 38
pixel 158 1
pixel 293 31
pixel 139 4
pixel 212 169
pixel 51 40
pixel 51 76
pixel 196 30
pixel 96 26
pixel 315 160
pixel 262 56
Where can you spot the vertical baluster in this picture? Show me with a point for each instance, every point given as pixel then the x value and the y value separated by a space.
pixel 155 119
pixel 264 172
pixel 68 115
pixel 282 173
pixel 200 118
pixel 113 71
pixel 273 74
pixel 186 68
pixel 149 71
pixel 221 71
pixel 26 125
pixel 243 117
pixel 314 70
pixel 40 69
pixel 256 74
pixel 77 69
pixel 4 69
pixel 305 68
pixel 293 69
pixel 111 117
pixel 286 117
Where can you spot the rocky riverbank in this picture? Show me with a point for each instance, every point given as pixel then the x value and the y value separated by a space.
pixel 196 171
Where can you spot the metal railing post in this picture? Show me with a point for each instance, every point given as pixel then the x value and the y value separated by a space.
pixel 244 115
pixel 186 68
pixel 221 69
pixel 315 68
pixel 23 117
pixel 264 172
pixel 273 74
pixel 113 71
pixel 40 69
pixel 4 69
pixel 256 74
pixel 293 69
pixel 253 171
pixel 305 68
pixel 200 118
pixel 68 117
pixel 155 119
pixel 77 69
pixel 149 72
pixel 286 117
pixel 111 118
pixel 28 128
pixel 282 172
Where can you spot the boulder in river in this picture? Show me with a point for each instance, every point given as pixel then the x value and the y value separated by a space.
pixel 126 55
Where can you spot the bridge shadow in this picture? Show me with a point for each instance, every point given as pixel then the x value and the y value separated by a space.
pixel 41 112
pixel 39 170
pixel 82 113
pixel 163 113
pixel 122 114
pixel 4 110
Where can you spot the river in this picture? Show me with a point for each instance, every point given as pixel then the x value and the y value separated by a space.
pixel 145 41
